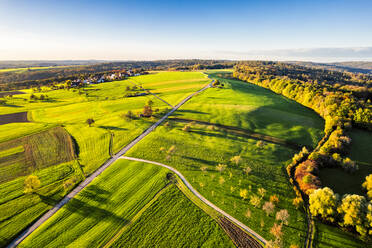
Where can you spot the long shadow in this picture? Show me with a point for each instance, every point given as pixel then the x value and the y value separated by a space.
pixel 11 105
pixel 200 160
pixel 189 111
pixel 87 210
pixel 113 128
pixel 244 133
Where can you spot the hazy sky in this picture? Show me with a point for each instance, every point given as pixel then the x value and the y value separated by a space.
pixel 324 30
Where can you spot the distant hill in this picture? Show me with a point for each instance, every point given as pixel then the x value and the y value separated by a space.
pixel 6 64
pixel 349 66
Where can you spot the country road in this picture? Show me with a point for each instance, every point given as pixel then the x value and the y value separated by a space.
pixel 197 194
pixel 89 179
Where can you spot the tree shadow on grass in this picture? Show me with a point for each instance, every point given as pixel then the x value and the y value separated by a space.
pixel 180 111
pixel 113 128
pixel 82 207
pixel 11 105
pixel 200 160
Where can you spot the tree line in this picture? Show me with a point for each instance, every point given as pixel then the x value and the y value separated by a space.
pixel 344 101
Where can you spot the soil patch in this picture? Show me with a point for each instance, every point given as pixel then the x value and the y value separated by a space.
pixel 15 117
pixel 240 238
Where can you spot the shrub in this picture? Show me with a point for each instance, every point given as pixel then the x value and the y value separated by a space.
pixel 32 183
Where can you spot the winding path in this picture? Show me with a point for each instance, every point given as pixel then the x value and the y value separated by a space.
pixel 89 179
pixel 197 194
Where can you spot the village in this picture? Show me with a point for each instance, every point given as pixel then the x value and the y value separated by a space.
pixel 107 77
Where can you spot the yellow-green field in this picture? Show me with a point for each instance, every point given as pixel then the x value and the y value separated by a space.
pixel 67 110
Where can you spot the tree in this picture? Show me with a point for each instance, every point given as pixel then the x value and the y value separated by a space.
pixel 323 202
pixel 147 111
pixel 368 185
pixel 276 230
pixel 283 216
pixel 221 167
pixel 353 210
pixel 171 150
pixel 90 121
pixel 297 202
pixel 274 199
pixel 32 183
pixel 268 207
pixel 129 115
pixel 186 128
pixel 236 160
pixel 247 170
pixel 262 192
pixel 221 180
pixel 369 217
pixel 255 201
pixel 243 194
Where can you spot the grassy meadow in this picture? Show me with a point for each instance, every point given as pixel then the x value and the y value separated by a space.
pixel 33 148
pixel 112 202
pixel 201 149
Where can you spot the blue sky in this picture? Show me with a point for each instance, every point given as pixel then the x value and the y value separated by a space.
pixel 302 30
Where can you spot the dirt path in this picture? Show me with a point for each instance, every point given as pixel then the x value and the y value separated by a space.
pixel 89 179
pixel 197 194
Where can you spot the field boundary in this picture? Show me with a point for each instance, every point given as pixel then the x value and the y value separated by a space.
pixel 252 233
pixel 96 173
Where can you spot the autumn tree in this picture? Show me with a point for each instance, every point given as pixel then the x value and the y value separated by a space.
pixel 255 201
pixel 147 111
pixel 243 194
pixel 32 183
pixel 323 202
pixel 368 185
pixel 268 207
pixel 247 170
pixel 297 202
pixel 236 160
pixel 353 210
pixel 283 216
pixel 262 192
pixel 221 167
pixel 274 199
pixel 276 230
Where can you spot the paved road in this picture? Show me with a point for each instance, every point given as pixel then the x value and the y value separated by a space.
pixel 197 194
pixel 89 179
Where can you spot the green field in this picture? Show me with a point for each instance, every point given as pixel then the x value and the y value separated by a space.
pixel 67 110
pixel 23 156
pixel 238 119
pixel 203 147
pixel 111 202
pixel 18 210
pixel 173 221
